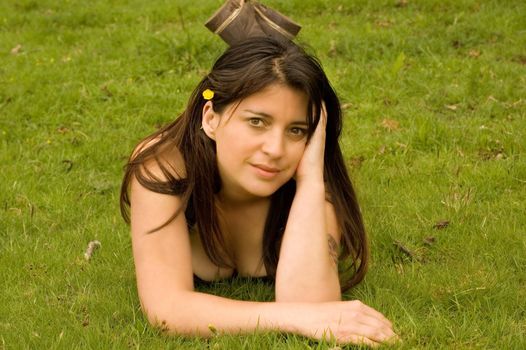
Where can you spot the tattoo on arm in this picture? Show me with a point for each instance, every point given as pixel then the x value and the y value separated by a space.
pixel 333 250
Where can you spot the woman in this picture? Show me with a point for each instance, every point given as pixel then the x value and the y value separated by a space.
pixel 250 180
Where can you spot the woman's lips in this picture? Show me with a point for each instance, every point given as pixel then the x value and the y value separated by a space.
pixel 266 171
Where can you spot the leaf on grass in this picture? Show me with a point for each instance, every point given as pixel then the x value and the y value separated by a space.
pixel 346 106
pixel 441 224
pixel 390 124
pixel 474 53
pixel 384 23
pixel 401 3
pixel 429 240
pixel 356 162
pixel 452 107
pixel 16 50
pixel 62 130
pixel 405 250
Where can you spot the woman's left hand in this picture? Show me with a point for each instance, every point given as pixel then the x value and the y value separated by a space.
pixel 310 167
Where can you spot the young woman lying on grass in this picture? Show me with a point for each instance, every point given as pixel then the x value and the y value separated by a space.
pixel 250 181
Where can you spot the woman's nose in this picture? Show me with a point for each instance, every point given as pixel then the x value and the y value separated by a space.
pixel 274 144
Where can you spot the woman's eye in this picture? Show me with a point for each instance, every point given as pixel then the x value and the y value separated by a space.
pixel 255 122
pixel 298 131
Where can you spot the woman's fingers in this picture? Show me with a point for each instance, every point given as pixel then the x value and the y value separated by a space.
pixel 374 329
pixel 377 334
pixel 375 322
pixel 324 112
pixel 319 132
pixel 322 124
pixel 367 310
pixel 364 321
pixel 380 317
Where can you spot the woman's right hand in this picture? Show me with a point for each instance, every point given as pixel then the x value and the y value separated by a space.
pixel 348 322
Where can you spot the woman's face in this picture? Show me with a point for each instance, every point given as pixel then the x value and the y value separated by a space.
pixel 259 141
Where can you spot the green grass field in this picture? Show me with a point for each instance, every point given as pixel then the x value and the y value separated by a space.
pixel 435 130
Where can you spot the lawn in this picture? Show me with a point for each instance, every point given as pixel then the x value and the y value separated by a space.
pixel 434 95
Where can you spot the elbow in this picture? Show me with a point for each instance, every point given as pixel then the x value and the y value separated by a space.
pixel 171 316
pixel 157 318
pixel 161 320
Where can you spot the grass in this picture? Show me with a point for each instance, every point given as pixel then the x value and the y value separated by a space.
pixel 435 120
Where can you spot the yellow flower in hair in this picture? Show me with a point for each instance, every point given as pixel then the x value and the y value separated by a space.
pixel 208 94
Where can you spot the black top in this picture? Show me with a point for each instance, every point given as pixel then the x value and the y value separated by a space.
pixel 266 279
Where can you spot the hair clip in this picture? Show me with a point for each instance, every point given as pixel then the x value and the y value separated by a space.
pixel 208 94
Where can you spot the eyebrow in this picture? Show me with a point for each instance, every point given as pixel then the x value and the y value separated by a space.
pixel 268 116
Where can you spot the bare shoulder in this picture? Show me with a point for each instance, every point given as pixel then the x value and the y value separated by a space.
pixel 150 209
pixel 164 158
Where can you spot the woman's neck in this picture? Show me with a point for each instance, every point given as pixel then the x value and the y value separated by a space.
pixel 233 200
pixel 229 203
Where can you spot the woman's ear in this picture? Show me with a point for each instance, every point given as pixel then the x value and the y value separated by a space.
pixel 210 120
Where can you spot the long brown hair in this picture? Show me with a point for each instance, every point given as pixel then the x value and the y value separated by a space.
pixel 242 70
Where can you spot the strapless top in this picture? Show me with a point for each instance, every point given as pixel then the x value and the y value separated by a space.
pixel 265 279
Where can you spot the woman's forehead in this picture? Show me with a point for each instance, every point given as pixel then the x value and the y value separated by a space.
pixel 275 100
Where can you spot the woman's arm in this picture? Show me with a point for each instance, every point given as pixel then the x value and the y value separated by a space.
pixel 163 267
pixel 199 314
pixel 306 269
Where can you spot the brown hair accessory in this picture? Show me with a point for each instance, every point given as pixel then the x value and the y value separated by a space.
pixel 237 20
